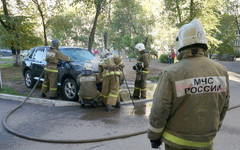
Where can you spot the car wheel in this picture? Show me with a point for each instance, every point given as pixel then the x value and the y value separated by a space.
pixel 28 79
pixel 70 89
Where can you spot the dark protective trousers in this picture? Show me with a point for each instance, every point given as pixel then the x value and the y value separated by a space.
pixel 140 86
pixel 50 83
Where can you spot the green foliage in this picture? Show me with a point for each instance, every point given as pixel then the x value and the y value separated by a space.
pixel 164 58
pixel 206 11
pixel 68 28
pixel 130 25
pixel 6 59
pixel 20 35
pixel 154 78
pixel 227 35
pixel 8 90
pixel 133 54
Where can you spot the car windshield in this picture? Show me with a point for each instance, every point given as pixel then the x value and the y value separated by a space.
pixel 77 54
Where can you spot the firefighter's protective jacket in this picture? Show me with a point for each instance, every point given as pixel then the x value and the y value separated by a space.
pixel 52 57
pixel 87 84
pixel 145 59
pixel 112 65
pixel 110 73
pixel 190 102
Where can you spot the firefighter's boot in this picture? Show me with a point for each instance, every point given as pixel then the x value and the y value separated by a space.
pixel 109 108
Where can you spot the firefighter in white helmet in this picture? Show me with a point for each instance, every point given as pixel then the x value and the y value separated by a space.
pixel 142 71
pixel 87 82
pixel 110 72
pixel 192 96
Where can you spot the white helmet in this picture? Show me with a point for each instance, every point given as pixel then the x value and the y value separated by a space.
pixel 191 34
pixel 87 66
pixel 140 46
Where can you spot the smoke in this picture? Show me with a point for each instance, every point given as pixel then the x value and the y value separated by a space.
pixel 95 61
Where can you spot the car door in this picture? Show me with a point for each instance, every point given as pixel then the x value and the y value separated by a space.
pixel 38 62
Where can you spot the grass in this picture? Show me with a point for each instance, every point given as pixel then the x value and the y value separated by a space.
pixel 6 59
pixel 154 78
pixel 8 90
pixel 6 65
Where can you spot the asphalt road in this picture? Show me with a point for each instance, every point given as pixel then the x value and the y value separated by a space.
pixel 86 123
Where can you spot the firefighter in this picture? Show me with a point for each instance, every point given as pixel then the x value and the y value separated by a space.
pixel 192 96
pixel 53 56
pixel 87 82
pixel 142 71
pixel 110 71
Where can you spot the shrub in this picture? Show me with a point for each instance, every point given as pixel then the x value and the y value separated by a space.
pixel 164 58
pixel 154 78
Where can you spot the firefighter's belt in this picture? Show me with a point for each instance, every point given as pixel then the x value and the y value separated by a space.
pixel 51 70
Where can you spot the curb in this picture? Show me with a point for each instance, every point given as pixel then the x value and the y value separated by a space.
pixel 40 101
pixel 57 103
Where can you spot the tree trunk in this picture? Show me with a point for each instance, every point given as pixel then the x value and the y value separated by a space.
pixel 91 36
pixel 105 37
pixel 191 10
pixel 43 21
pixel 45 35
pixel 179 12
pixel 16 57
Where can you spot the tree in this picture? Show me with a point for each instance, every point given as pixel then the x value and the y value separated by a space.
pixel 99 6
pixel 227 35
pixel 16 32
pixel 46 10
pixel 233 8
pixel 130 25
pixel 208 12
pixel 72 25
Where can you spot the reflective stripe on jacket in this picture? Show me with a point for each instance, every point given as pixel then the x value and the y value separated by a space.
pixel 190 102
pixel 106 64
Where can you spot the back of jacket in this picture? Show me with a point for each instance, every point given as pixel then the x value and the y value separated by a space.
pixel 87 86
pixel 190 101
pixel 112 65
pixel 53 56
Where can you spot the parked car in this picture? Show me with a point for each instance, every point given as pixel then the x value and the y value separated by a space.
pixel 214 57
pixel 33 65
pixel 24 53
pixel 4 52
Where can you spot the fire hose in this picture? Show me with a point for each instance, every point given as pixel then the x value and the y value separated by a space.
pixel 29 137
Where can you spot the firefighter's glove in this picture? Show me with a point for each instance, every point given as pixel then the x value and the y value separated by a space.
pixel 155 143
pixel 99 86
pixel 140 65
pixel 134 67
